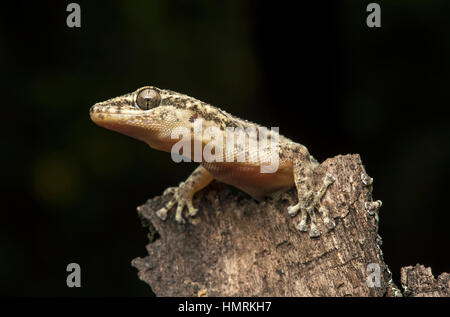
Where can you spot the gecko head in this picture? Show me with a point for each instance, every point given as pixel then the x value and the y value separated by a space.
pixel 120 109
pixel 148 114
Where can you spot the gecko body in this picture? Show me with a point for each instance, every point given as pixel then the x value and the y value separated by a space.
pixel 152 114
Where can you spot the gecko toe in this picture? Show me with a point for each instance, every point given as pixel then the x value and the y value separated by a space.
pixel 162 213
pixel 170 190
pixel 314 232
pixel 293 210
pixel 302 226
pixel 330 224
pixel 192 211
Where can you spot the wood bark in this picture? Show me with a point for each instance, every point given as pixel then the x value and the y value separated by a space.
pixel 237 246
pixel 418 281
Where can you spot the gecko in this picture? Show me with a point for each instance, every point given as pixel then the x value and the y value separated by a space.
pixel 150 114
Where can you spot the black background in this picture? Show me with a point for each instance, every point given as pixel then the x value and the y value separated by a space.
pixel 316 71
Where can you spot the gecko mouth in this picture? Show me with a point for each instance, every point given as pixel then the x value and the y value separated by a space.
pixel 126 120
pixel 104 113
pixel 123 123
pixel 128 124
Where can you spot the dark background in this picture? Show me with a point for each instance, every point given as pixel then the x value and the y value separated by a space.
pixel 70 188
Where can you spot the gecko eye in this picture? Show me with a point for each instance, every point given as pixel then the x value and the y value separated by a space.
pixel 148 98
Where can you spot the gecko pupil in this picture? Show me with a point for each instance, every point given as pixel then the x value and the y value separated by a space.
pixel 148 98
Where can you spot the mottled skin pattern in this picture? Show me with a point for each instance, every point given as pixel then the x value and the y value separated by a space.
pixel 150 114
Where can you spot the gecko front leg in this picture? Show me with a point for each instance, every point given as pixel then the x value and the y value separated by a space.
pixel 182 195
pixel 308 200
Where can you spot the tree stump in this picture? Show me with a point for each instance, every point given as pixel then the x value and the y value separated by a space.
pixel 237 246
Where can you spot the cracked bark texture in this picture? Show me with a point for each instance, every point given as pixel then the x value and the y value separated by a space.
pixel 418 281
pixel 237 246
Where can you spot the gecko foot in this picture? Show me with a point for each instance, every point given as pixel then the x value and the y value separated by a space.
pixel 309 204
pixel 310 213
pixel 181 196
